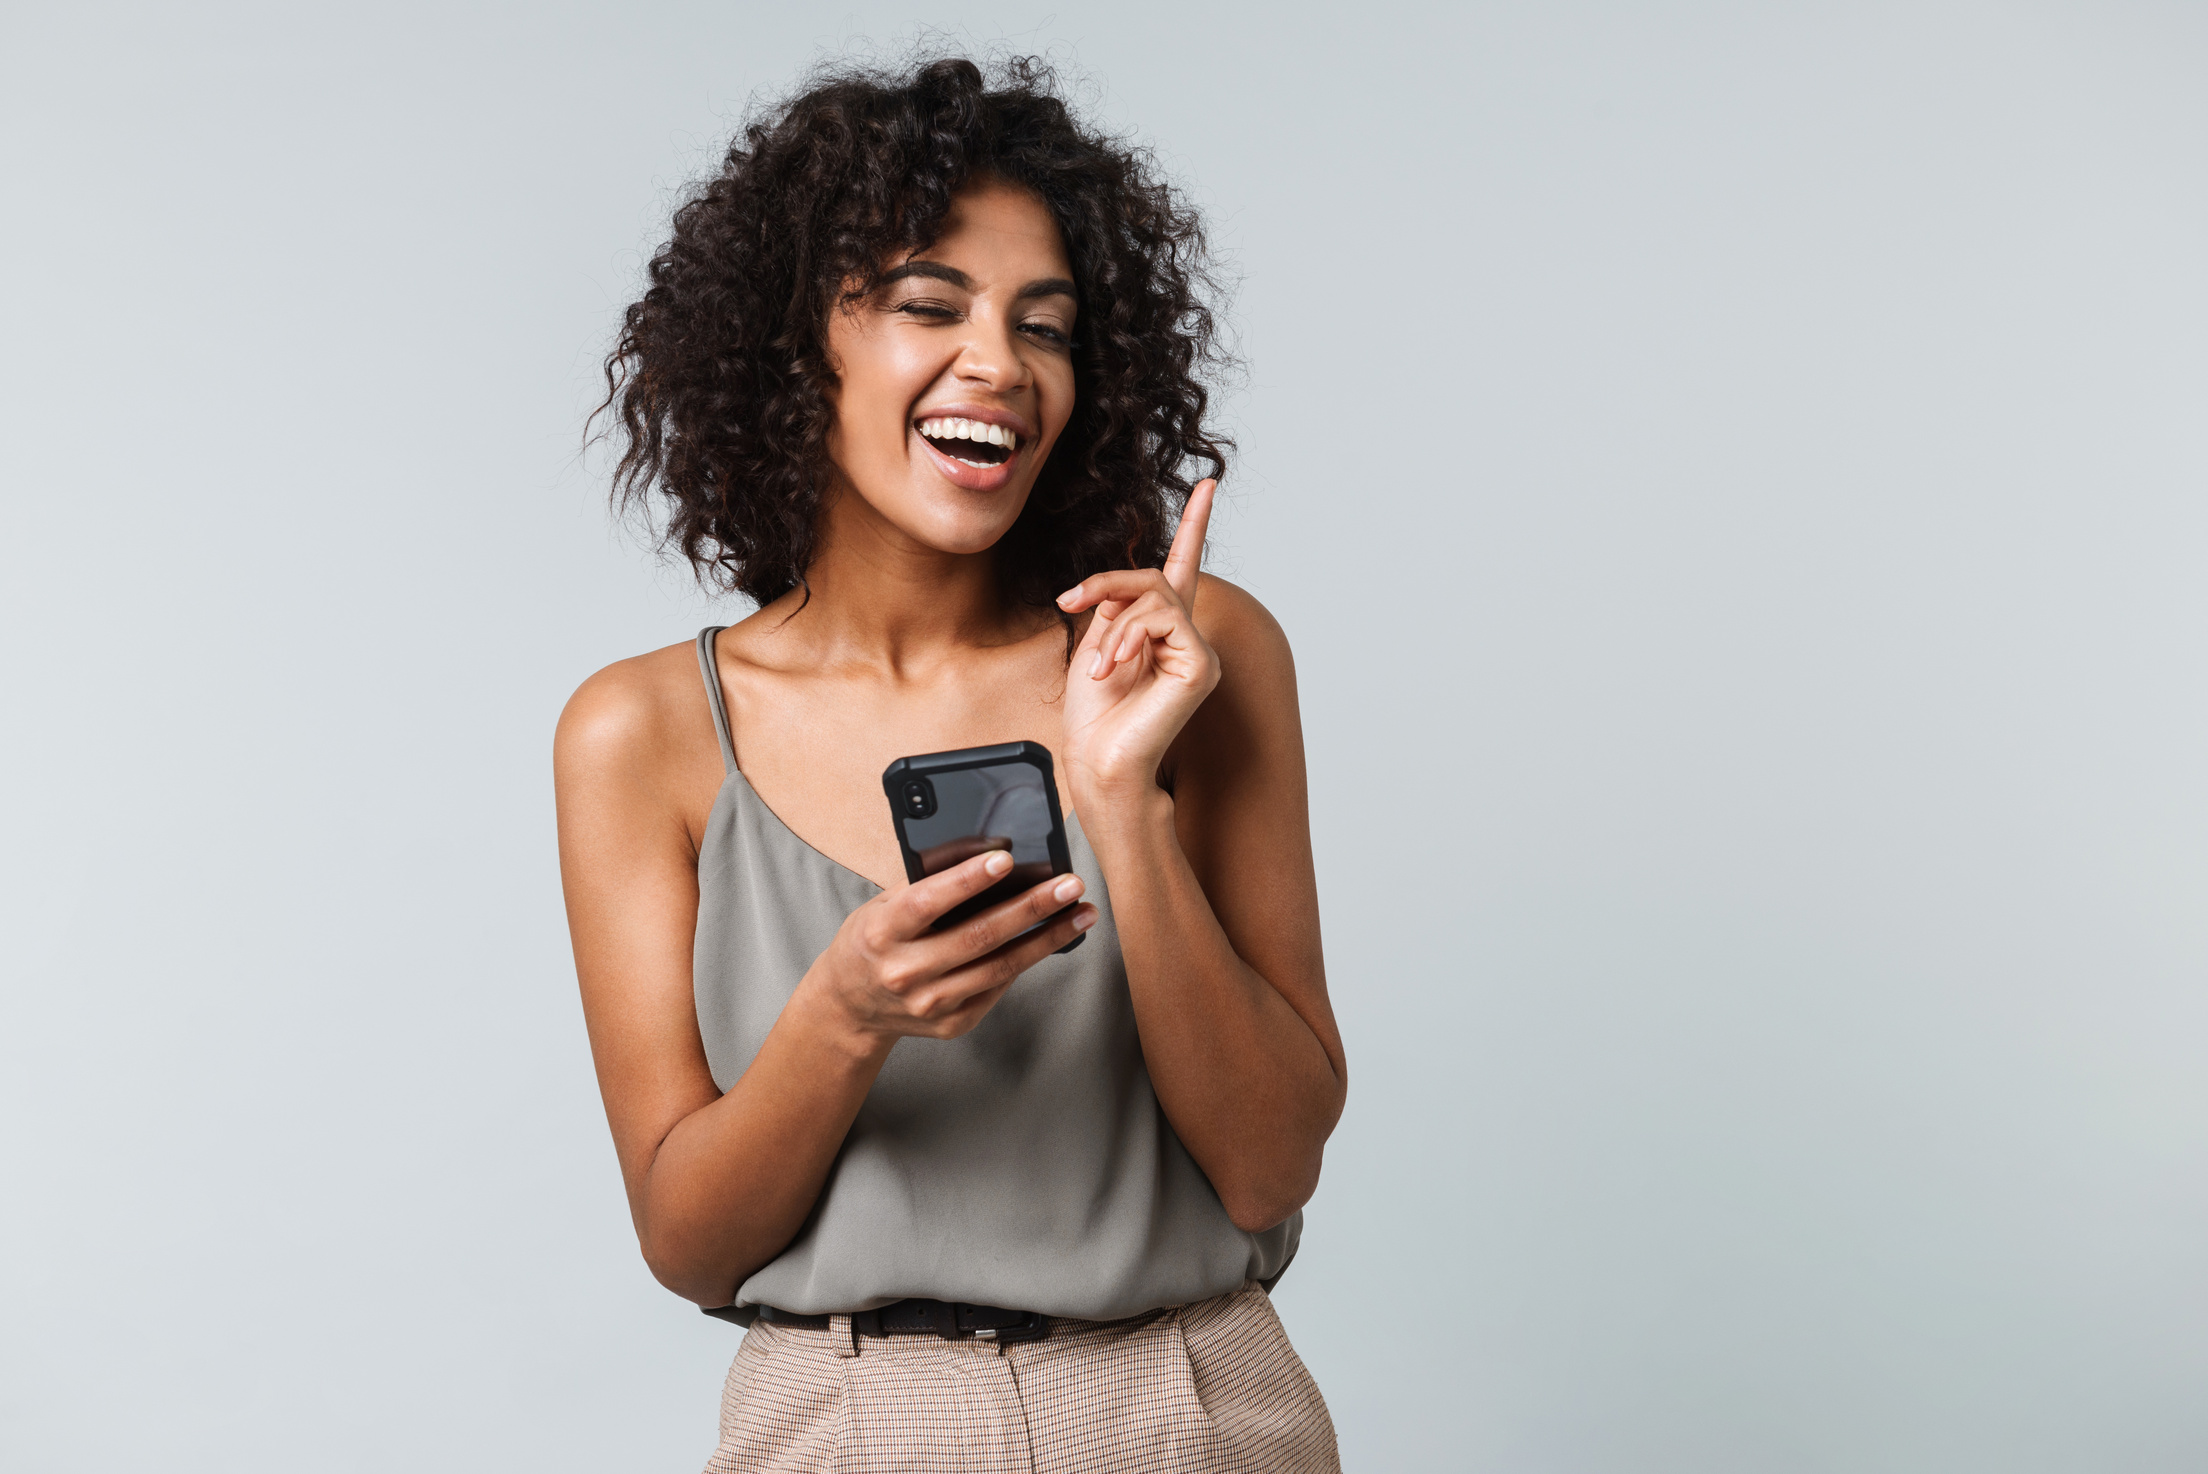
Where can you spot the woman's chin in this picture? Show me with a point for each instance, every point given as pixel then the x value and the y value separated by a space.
pixel 966 539
pixel 955 524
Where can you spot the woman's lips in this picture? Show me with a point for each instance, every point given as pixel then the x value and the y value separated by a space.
pixel 968 477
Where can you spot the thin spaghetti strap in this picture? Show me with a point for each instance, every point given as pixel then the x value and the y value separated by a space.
pixel 710 668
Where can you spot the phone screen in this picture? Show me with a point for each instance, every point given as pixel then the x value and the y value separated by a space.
pixel 956 815
pixel 953 806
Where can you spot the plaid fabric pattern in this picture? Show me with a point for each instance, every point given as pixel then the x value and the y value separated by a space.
pixel 1209 1388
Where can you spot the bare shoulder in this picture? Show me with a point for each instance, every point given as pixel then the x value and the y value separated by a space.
pixel 1249 729
pixel 644 718
pixel 1252 647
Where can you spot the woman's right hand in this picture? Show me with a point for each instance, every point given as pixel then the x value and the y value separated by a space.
pixel 886 975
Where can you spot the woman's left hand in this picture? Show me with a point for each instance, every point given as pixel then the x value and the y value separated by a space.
pixel 1141 669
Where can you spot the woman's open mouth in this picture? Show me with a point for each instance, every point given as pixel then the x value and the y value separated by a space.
pixel 970 442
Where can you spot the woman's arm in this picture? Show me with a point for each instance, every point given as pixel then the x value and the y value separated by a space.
pixel 1212 884
pixel 718 1184
pixel 1217 908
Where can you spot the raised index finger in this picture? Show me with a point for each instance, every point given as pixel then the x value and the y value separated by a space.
pixel 1187 556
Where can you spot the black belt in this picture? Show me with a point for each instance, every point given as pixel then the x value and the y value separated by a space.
pixel 927 1317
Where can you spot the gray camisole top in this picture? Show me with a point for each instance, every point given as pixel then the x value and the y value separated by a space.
pixel 1026 1165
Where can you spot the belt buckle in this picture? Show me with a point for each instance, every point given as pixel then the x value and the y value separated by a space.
pixel 1031 1326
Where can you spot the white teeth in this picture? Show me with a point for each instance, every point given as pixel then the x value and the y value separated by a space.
pixel 951 427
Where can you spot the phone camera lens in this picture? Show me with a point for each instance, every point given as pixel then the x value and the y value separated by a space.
pixel 919 798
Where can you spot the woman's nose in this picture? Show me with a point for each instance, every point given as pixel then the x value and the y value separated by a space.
pixel 991 357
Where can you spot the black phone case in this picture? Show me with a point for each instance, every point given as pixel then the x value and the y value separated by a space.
pixel 934 765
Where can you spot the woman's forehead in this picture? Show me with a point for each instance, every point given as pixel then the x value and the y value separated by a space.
pixel 994 229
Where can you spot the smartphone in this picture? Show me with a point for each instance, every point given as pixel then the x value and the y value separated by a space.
pixel 951 806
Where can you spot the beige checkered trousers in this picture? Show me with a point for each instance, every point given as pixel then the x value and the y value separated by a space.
pixel 1209 1388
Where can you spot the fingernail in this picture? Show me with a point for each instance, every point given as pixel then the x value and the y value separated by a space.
pixel 1084 919
pixel 997 863
pixel 1096 666
pixel 1068 888
pixel 1070 595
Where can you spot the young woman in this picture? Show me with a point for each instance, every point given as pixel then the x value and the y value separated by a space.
pixel 917 372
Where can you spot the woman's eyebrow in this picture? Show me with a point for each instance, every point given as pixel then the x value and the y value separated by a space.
pixel 1049 286
pixel 935 269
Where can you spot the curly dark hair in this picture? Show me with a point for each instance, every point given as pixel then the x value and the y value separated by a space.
pixel 720 378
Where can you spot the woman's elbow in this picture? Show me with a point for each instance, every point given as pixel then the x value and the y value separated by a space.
pixel 686 1275
pixel 1256 1204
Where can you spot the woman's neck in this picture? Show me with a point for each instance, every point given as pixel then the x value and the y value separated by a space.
pixel 877 597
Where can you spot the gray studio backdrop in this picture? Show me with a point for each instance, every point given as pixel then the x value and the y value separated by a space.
pixel 1734 478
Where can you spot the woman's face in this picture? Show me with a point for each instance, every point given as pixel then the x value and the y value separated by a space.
pixel 957 374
